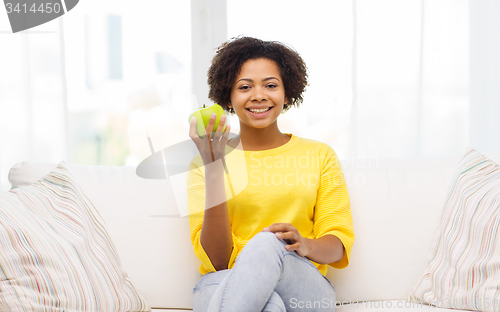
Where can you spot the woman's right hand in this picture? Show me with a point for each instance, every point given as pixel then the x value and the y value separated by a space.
pixel 210 149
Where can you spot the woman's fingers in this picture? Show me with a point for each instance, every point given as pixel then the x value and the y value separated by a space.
pixel 295 246
pixel 225 136
pixel 220 127
pixel 192 129
pixel 288 237
pixel 280 227
pixel 210 125
pixel 222 121
pixel 210 150
pixel 193 134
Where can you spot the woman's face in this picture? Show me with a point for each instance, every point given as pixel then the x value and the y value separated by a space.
pixel 258 85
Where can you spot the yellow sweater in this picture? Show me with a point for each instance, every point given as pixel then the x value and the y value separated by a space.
pixel 300 182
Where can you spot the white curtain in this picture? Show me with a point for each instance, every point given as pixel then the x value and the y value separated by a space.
pixel 388 78
pixel 32 113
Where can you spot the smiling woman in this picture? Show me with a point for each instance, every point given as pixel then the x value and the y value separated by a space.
pixel 287 234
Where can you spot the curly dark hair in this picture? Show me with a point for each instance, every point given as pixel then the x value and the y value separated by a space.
pixel 231 56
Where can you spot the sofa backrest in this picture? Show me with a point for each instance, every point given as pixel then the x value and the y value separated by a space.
pixel 396 206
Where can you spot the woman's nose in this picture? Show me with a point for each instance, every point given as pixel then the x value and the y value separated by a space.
pixel 259 94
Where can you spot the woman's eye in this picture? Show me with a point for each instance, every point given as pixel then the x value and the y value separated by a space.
pixel 243 87
pixel 272 86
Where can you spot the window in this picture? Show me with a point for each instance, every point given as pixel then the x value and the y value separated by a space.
pixel 128 73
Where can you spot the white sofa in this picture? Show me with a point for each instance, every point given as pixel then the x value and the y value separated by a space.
pixel 396 206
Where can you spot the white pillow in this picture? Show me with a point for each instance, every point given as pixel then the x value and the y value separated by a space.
pixel 127 203
pixel 56 254
pixel 464 257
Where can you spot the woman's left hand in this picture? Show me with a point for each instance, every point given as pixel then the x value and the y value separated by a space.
pixel 291 235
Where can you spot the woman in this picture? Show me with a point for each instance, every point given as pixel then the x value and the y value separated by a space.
pixel 269 211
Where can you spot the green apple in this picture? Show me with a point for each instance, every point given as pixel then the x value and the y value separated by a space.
pixel 203 114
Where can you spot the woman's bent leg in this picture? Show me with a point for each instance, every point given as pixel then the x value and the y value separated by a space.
pixel 205 288
pixel 210 282
pixel 274 304
pixel 315 292
pixel 264 266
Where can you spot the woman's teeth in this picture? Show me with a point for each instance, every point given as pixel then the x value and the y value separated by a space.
pixel 260 110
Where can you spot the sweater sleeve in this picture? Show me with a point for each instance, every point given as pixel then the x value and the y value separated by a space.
pixel 332 213
pixel 196 207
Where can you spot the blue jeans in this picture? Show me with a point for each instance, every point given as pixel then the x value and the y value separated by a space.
pixel 265 277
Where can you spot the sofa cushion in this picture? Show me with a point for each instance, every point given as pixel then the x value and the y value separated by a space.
pixel 143 220
pixel 464 258
pixel 56 253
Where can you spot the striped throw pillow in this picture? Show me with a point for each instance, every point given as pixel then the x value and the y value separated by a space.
pixel 464 257
pixel 55 252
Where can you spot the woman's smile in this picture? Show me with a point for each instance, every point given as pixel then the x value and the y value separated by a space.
pixel 259 113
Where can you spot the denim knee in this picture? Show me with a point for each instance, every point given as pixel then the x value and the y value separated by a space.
pixel 267 240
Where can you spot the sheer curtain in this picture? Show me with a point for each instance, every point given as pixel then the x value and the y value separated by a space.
pixel 33 120
pixel 129 70
pixel 388 78
pixel 412 78
pixel 484 121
